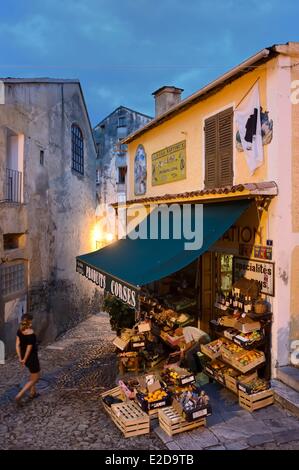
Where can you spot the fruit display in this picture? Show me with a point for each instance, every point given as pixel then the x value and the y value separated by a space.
pixel 213 349
pixel 254 386
pixel 155 396
pixel 249 360
pixel 177 375
pixel 247 339
pixel 231 350
pixel 212 368
pixel 193 405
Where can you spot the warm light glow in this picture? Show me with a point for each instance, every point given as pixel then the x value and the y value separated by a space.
pixel 109 237
pixel 97 234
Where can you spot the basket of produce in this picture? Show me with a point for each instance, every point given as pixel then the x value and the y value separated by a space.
pixel 249 360
pixel 193 405
pixel 213 349
pixel 246 340
pixel 254 386
pixel 153 400
pixel 229 351
pixel 137 341
pixel 213 368
pixel 178 375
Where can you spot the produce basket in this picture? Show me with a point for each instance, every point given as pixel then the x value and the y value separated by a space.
pixel 213 349
pixel 146 405
pixel 249 360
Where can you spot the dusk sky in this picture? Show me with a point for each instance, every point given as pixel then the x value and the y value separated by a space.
pixel 123 50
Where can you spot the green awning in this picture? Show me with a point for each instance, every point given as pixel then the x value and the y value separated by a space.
pixel 125 265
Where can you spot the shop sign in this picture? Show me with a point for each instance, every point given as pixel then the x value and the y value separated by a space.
pixel 169 164
pixel 261 252
pixel 260 271
pixel 119 289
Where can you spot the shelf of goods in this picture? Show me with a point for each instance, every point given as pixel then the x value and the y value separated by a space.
pixel 235 368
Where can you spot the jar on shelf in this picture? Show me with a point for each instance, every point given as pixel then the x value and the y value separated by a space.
pixel 261 306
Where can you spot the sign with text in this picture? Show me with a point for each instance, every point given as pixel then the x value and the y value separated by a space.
pixel 260 271
pixel 169 164
pixel 123 291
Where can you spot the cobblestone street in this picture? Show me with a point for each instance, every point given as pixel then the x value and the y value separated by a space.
pixel 68 414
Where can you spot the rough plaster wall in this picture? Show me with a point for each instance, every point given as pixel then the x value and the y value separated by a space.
pixel 294 286
pixel 107 189
pixel 59 210
pixel 294 327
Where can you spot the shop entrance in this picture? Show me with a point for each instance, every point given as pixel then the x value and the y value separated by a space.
pixel 216 274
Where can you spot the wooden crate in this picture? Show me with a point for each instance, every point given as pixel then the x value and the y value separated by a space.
pixel 116 393
pixel 249 366
pixel 205 350
pixel 256 401
pixel 173 423
pixel 130 419
pixel 231 383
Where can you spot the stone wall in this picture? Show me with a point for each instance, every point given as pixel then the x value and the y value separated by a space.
pixel 58 213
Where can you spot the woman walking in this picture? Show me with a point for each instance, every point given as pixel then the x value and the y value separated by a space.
pixel 26 347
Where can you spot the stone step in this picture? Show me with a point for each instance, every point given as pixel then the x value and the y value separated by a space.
pixel 290 376
pixel 286 396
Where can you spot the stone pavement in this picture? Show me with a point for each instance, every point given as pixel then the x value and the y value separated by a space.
pixel 232 428
pixel 69 415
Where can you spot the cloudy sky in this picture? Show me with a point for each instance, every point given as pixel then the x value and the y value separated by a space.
pixel 122 50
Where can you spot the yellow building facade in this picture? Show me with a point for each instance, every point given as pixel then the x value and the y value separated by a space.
pixel 272 222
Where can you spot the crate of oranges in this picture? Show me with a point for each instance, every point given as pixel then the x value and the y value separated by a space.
pixel 153 400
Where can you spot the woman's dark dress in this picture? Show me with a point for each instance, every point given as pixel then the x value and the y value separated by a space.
pixel 32 362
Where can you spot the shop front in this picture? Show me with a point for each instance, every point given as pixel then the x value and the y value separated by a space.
pixel 197 311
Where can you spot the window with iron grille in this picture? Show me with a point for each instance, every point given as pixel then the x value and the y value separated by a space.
pixel 77 150
pixel 12 278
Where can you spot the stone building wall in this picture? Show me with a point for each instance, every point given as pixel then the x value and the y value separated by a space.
pixel 57 215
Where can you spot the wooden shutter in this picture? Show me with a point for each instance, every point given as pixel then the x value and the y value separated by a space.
pixel 211 152
pixel 225 148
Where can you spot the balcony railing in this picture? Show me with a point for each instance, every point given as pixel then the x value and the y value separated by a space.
pixel 13 186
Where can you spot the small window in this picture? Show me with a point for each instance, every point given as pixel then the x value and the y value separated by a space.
pixel 11 241
pixel 122 122
pixel 122 148
pixel 77 150
pixel 97 176
pixel 12 278
pixel 122 171
pixel 41 157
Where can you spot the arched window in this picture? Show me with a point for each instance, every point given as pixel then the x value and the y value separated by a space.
pixel 77 149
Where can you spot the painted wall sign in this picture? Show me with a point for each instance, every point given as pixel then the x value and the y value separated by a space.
pixel 257 251
pixel 169 164
pixel 140 172
pixel 124 292
pixel 261 271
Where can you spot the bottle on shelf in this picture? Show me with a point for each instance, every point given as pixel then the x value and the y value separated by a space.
pixel 249 307
pixel 241 303
pixel 227 301
pixel 246 304
pixel 235 301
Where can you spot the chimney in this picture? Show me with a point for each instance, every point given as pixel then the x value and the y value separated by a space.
pixel 165 98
